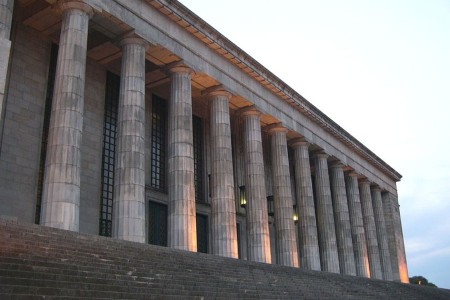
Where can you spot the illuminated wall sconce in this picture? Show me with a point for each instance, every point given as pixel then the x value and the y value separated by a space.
pixel 295 215
pixel 270 209
pixel 242 199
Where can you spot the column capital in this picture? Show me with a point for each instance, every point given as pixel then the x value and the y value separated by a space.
pixel 275 128
pixel 179 67
pixel 364 181
pixel 249 111
pixel 298 142
pixel 217 90
pixel 336 164
pixel 352 174
pixel 375 188
pixel 321 154
pixel 63 5
pixel 133 39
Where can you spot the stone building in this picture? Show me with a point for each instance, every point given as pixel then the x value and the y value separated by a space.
pixel 138 120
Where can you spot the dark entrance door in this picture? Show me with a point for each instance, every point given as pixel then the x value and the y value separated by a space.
pixel 202 233
pixel 157 231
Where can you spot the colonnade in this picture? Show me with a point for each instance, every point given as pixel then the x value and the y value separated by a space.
pixel 346 224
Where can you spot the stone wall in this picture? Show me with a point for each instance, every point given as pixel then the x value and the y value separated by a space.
pixel 21 144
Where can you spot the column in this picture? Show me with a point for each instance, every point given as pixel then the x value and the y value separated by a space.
pixel 61 195
pixel 370 230
pixel 223 206
pixel 398 242
pixel 257 218
pixel 182 225
pixel 342 220
pixel 286 242
pixel 381 234
pixel 307 225
pixel 6 12
pixel 325 219
pixel 357 226
pixel 389 220
pixel 129 183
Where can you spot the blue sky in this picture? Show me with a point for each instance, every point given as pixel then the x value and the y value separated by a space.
pixel 381 70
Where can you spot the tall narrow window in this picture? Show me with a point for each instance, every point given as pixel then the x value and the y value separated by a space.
pixel 45 128
pixel 157 224
pixel 238 231
pixel 109 151
pixel 198 158
pixel 158 150
pixel 202 233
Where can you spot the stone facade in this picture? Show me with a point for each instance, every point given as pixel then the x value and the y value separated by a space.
pixel 212 153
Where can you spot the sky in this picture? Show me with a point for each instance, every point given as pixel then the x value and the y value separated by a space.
pixel 381 70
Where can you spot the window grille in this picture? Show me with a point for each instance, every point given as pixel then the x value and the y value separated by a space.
pixel 158 148
pixel 109 151
pixel 198 158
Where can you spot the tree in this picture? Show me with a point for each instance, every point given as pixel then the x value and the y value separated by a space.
pixel 420 280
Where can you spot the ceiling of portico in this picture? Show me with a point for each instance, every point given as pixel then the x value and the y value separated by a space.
pixel 103 46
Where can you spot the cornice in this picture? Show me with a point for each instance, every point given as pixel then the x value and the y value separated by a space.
pixel 218 42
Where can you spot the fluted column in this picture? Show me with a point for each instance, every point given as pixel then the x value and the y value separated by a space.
pixel 61 195
pixel 342 220
pixel 388 217
pixel 402 264
pixel 182 224
pixel 257 218
pixel 223 208
pixel 325 219
pixel 307 226
pixel 357 226
pixel 370 230
pixel 380 225
pixel 286 242
pixel 6 12
pixel 395 237
pixel 129 183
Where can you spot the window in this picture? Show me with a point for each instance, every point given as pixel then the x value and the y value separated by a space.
pixel 157 224
pixel 109 151
pixel 45 128
pixel 202 233
pixel 238 231
pixel 198 158
pixel 158 150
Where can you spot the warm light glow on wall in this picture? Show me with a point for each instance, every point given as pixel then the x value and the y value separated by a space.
pixel 295 217
pixel 242 199
pixel 403 273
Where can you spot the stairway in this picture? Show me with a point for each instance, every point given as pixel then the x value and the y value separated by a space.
pixel 38 262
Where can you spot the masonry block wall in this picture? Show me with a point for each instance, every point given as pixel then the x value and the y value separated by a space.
pixel 22 132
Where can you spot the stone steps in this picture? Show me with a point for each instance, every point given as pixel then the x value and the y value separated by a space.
pixel 38 262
